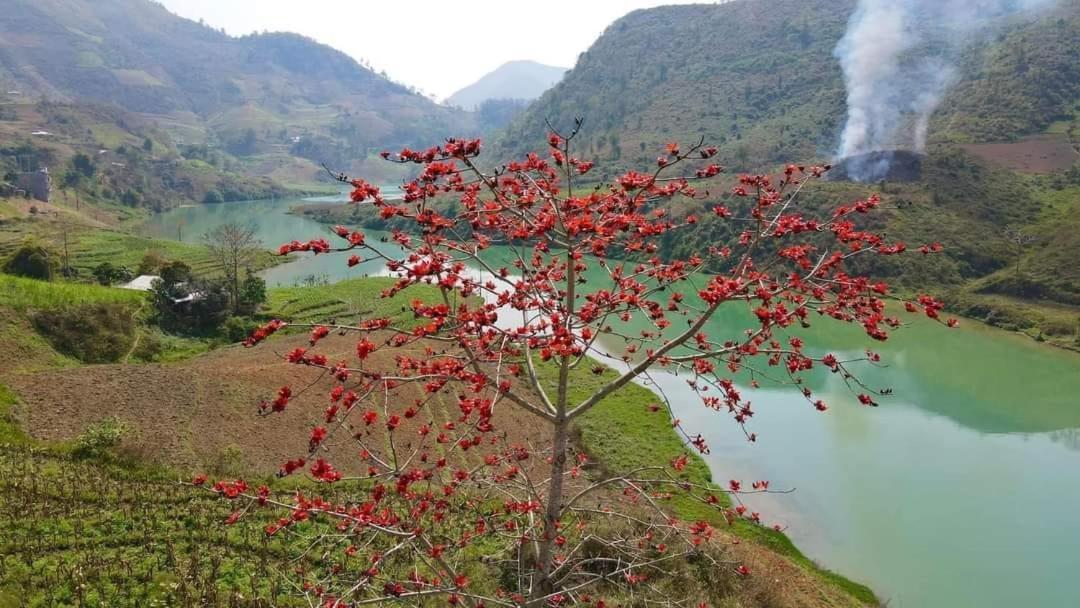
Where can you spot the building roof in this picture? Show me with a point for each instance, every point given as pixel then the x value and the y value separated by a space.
pixel 143 282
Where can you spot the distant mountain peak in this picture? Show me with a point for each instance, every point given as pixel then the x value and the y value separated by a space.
pixel 517 79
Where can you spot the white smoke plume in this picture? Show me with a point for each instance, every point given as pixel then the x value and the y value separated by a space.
pixel 897 57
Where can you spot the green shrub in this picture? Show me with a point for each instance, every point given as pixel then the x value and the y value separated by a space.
pixel 92 333
pixel 252 293
pixel 106 274
pixel 229 462
pixel 32 260
pixel 150 346
pixel 99 438
pixel 1058 328
pixel 174 272
pixel 10 433
pixel 237 329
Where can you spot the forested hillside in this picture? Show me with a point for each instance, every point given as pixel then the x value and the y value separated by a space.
pixel 760 79
pixel 271 97
pixel 748 75
pixel 1000 186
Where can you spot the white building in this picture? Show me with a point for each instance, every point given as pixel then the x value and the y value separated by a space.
pixel 143 282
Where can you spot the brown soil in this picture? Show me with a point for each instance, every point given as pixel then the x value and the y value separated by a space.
pixel 1040 154
pixel 776 581
pixel 188 414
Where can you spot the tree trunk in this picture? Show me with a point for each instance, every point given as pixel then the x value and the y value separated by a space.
pixel 543 585
pixel 236 286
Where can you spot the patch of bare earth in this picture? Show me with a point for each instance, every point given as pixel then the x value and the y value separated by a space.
pixel 189 414
pixel 775 581
pixel 1039 154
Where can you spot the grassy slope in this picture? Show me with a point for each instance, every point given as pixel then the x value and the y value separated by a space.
pixel 23 348
pixel 135 537
pixel 27 350
pixel 621 434
pixel 22 294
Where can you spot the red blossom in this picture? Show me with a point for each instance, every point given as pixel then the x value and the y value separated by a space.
pixel 318 333
pixel 364 348
pixel 263 332
pixel 679 463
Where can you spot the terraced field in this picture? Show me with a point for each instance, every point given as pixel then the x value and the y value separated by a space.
pixel 342 300
pixel 89 246
pixel 81 533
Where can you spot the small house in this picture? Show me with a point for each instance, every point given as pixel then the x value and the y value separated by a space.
pixel 36 184
pixel 143 282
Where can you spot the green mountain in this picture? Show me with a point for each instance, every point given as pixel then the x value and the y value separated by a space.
pixel 269 96
pixel 740 73
pixel 760 79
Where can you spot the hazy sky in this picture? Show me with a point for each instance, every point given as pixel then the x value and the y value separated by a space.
pixel 437 46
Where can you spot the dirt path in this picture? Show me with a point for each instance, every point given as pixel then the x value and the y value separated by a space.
pixel 138 334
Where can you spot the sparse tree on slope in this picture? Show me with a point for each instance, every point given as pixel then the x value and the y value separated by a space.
pixel 233 248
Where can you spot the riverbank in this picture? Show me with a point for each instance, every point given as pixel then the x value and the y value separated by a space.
pixel 1050 323
pixel 623 433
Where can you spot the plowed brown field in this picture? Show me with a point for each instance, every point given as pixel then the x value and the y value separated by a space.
pixel 189 414
pixel 1042 154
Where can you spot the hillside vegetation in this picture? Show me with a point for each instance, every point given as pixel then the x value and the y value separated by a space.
pixel 274 99
pixel 102 153
pixel 760 80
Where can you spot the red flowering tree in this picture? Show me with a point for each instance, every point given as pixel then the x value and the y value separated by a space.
pixel 500 488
